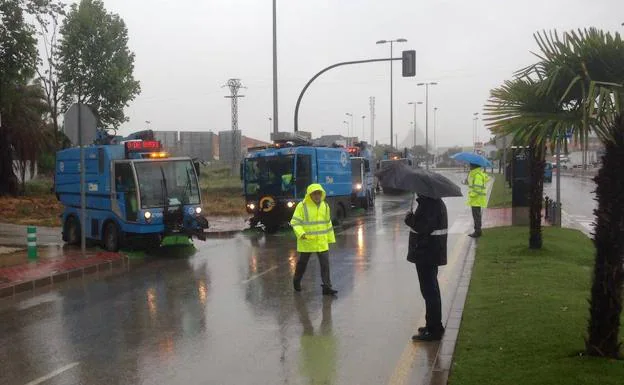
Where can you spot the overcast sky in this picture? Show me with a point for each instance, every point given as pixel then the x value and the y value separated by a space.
pixel 187 49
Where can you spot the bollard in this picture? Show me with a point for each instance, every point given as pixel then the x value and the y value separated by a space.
pixel 32 242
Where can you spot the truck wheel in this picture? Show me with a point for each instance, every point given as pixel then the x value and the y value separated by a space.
pixel 340 215
pixel 111 237
pixel 72 231
pixel 365 202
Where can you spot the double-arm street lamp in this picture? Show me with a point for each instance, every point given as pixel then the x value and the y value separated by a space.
pixel 427 117
pixel 415 121
pixel 351 131
pixel 401 40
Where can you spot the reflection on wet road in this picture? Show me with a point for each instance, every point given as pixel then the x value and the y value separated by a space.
pixel 228 314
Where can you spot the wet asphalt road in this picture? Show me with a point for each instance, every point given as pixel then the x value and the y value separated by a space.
pixel 577 199
pixel 228 314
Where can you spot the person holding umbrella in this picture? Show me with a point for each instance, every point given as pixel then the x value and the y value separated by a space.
pixel 427 247
pixel 477 196
pixel 477 186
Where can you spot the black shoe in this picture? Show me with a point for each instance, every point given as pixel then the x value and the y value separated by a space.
pixel 329 291
pixel 423 329
pixel 428 335
pixel 297 285
pixel 476 234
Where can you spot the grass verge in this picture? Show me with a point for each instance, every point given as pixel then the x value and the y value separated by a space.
pixel 222 193
pixel 526 313
pixel 501 193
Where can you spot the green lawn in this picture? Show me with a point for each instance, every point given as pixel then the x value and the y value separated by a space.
pixel 501 193
pixel 526 313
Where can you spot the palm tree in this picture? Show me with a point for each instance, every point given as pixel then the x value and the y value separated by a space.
pixel 25 131
pixel 585 70
pixel 521 108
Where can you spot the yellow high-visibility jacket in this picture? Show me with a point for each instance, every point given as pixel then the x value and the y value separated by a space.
pixel 314 221
pixel 477 188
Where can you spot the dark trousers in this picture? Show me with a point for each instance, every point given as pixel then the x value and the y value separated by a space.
pixel 476 215
pixel 302 264
pixel 430 290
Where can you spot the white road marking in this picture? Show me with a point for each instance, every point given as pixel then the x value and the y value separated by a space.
pixel 53 374
pixel 260 274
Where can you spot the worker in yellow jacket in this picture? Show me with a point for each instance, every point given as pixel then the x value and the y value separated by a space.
pixel 477 196
pixel 312 224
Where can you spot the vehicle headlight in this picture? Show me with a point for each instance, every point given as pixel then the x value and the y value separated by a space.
pixel 251 206
pixel 290 205
pixel 198 210
pixel 147 215
pixel 358 186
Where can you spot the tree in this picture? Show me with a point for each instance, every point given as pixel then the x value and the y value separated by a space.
pixel 584 71
pixel 31 133
pixel 95 65
pixel 48 67
pixel 521 108
pixel 18 58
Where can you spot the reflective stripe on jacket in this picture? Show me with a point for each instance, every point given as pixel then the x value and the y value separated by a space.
pixel 477 188
pixel 314 221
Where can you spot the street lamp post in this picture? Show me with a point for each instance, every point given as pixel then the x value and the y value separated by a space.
pixel 363 132
pixel 349 141
pixel 270 123
pixel 427 118
pixel 415 124
pixel 275 112
pixel 435 126
pixel 401 40
pixel 474 131
pixel 347 124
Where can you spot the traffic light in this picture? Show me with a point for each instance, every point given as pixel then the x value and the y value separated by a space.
pixel 409 63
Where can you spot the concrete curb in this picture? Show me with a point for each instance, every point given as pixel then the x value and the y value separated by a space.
pixel 444 358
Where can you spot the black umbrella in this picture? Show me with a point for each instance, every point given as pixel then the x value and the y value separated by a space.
pixel 422 182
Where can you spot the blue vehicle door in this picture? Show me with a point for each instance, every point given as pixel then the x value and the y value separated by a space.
pixel 125 203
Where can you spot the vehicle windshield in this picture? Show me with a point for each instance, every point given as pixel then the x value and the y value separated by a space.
pixel 271 175
pixel 174 180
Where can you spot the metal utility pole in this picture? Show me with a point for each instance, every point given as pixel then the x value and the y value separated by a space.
pixel 372 119
pixel 275 112
pixel 427 118
pixel 558 208
pixel 235 85
pixel 391 83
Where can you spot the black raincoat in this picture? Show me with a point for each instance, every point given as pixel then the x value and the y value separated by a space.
pixel 428 232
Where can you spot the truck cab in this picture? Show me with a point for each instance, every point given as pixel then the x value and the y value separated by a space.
pixel 276 178
pixel 363 192
pixel 135 193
